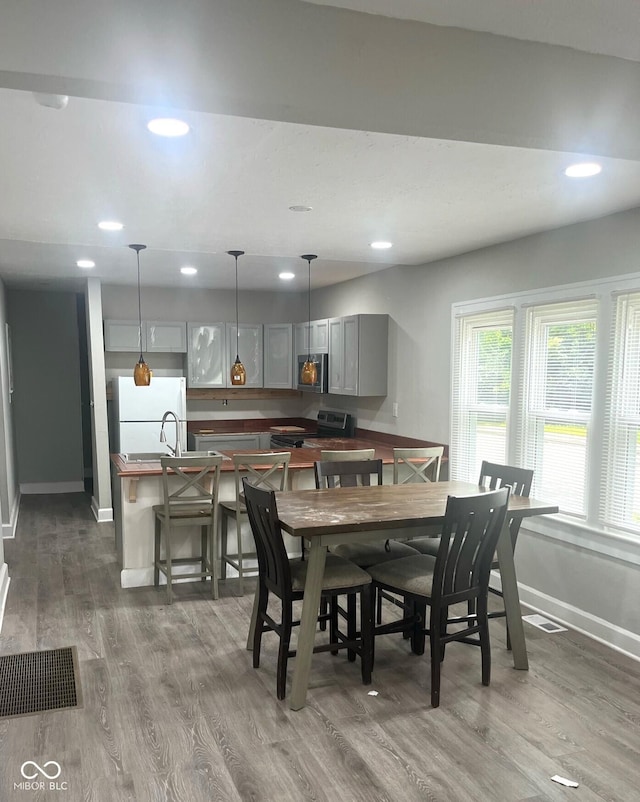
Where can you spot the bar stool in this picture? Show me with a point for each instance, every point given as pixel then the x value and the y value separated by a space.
pixel 193 501
pixel 267 471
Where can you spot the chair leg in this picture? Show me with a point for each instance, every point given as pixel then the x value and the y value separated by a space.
pixel 485 644
pixel 352 628
pixel 379 608
pixel 333 620
pixel 283 651
pixel 156 553
pixel 263 601
pixel 212 558
pixel 240 557
pixel 444 613
pixel 366 633
pixel 167 554
pixel 434 640
pixel 204 540
pixel 324 609
pixel 224 529
pixel 418 636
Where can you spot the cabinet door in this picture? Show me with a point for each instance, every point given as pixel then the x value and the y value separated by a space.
pixel 249 349
pixel 336 355
pixel 350 355
pixel 166 337
pixel 320 337
pixel 227 442
pixel 278 355
pixel 206 364
pixel 124 335
pixel 302 338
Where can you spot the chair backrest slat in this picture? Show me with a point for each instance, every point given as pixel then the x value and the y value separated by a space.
pixel 494 476
pixel 273 561
pixel 267 471
pixel 347 473
pixel 349 455
pixel 470 533
pixel 417 464
pixel 190 481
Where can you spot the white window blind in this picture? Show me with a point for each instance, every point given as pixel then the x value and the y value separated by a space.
pixel 620 490
pixel 558 375
pixel 481 390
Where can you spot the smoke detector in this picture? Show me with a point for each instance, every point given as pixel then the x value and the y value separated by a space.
pixel 51 101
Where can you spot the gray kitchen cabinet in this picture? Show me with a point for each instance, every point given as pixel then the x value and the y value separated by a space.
pixel 124 335
pixel 206 355
pixel 157 336
pixel 358 346
pixel 223 442
pixel 319 337
pixel 278 355
pixel 249 348
pixel 165 336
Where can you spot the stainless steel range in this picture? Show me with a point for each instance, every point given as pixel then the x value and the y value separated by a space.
pixel 329 424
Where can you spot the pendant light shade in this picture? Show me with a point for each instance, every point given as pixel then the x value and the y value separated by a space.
pixel 238 372
pixel 309 372
pixel 141 372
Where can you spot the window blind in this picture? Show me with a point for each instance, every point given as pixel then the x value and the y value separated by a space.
pixel 481 388
pixel 620 486
pixel 558 376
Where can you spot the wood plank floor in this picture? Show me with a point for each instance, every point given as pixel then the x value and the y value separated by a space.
pixel 173 709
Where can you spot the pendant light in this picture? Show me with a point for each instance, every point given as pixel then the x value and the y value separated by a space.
pixel 238 373
pixel 141 372
pixel 309 373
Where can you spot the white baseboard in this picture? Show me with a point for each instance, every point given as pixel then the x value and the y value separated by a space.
pixel 9 529
pixel 5 579
pixel 617 638
pixel 42 488
pixel 101 514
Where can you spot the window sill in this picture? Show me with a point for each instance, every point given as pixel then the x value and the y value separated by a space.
pixel 618 545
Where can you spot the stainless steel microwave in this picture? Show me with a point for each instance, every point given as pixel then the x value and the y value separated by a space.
pixel 321 383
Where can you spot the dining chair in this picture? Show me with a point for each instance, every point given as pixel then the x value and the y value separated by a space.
pixel 350 454
pixel 285 578
pixel 492 476
pixel 459 573
pixel 417 464
pixel 190 491
pixel 269 471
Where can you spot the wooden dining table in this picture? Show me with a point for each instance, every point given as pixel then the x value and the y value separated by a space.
pixel 362 514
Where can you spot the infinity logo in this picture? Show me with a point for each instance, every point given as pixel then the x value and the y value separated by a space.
pixel 41 770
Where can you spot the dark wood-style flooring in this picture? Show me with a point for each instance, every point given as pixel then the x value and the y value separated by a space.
pixel 173 709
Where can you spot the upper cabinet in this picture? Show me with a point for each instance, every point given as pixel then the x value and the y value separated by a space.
pixel 249 348
pixel 319 337
pixel 124 335
pixel 278 355
pixel 358 346
pixel 157 336
pixel 166 337
pixel 206 355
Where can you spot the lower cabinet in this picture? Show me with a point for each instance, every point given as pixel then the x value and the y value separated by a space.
pixel 223 442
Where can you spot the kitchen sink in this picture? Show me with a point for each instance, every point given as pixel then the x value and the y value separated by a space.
pixel 156 456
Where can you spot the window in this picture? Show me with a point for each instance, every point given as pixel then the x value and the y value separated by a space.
pixel 556 402
pixel 620 494
pixel 481 391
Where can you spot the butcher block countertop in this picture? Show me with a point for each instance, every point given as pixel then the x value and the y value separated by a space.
pixel 301 458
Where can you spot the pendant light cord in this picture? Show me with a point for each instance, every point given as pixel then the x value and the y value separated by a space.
pixel 309 332
pixel 139 307
pixel 237 317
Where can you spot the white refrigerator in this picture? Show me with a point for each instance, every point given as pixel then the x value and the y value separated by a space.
pixel 138 413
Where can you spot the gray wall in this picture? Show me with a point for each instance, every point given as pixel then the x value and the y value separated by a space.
pixel 46 366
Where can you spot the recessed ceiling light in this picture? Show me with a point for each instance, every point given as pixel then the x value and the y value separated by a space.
pixel 168 126
pixel 583 170
pixel 300 208
pixel 189 271
pixel 110 225
pixel 382 245
pixel 86 263
pixel 286 276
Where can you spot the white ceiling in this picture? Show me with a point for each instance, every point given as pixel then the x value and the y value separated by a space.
pixel 230 182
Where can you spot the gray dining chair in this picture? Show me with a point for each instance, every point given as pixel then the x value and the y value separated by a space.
pixel 458 573
pixel 190 498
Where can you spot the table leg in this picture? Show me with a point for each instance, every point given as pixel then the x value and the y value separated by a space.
pixel 308 621
pixel 512 599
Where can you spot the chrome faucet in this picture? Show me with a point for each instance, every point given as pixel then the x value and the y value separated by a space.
pixel 177 449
